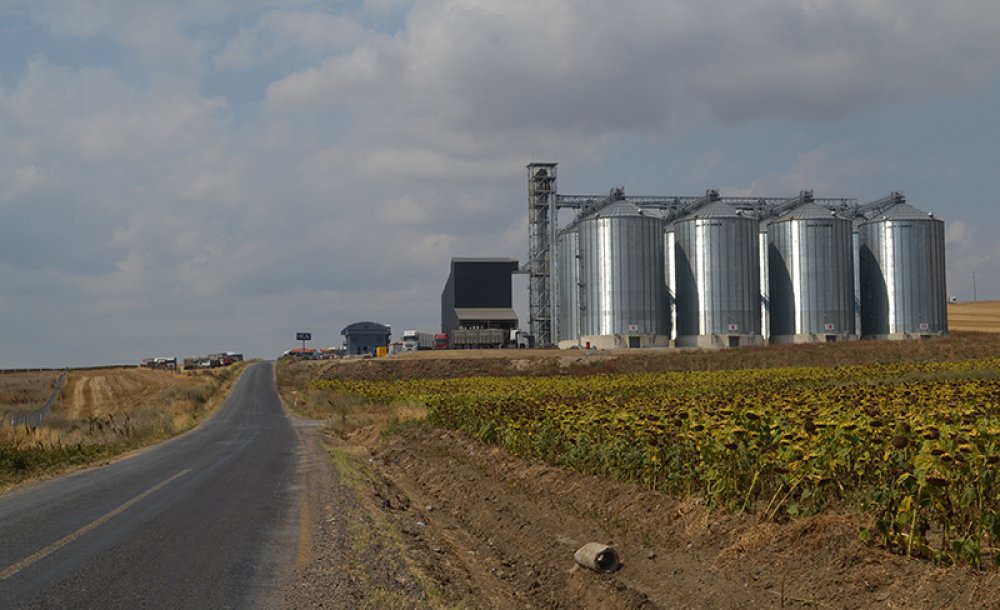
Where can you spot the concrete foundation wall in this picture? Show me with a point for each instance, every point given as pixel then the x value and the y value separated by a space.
pixel 621 341
pixel 718 340
pixel 903 336
pixel 812 338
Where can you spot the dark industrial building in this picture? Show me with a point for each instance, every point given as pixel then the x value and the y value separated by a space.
pixel 363 338
pixel 477 294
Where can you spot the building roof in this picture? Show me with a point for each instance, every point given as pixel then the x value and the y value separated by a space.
pixel 485 313
pixel 476 259
pixel 359 328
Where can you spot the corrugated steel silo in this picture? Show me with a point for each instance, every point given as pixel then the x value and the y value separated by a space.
pixel 569 285
pixel 670 259
pixel 765 284
pixel 717 281
pixel 903 290
pixel 621 269
pixel 811 276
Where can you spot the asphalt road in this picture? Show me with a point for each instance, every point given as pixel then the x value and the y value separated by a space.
pixel 206 520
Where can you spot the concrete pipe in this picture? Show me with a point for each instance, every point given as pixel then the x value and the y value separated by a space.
pixel 597 557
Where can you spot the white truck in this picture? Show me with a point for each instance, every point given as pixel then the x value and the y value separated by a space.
pixel 414 340
pixel 521 339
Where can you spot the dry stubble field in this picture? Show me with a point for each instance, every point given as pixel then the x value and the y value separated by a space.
pixel 983 316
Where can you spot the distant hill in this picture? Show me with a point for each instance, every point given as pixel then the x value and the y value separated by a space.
pixel 983 316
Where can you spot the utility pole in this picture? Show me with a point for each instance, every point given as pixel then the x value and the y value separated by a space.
pixel 975 297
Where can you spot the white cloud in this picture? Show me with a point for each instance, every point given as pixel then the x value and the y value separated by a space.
pixel 395 134
pixel 95 114
pixel 560 66
pixel 313 34
pixel 957 232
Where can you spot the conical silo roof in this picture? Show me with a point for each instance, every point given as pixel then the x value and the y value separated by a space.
pixel 618 209
pixel 902 211
pixel 716 209
pixel 809 211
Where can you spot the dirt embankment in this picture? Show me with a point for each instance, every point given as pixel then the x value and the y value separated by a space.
pixel 523 521
pixel 429 518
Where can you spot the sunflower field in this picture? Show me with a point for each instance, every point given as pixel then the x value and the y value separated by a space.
pixel 915 445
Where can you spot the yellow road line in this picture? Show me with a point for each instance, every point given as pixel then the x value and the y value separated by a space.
pixel 55 546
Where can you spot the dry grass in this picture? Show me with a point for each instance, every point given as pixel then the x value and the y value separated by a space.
pixel 343 414
pixel 26 391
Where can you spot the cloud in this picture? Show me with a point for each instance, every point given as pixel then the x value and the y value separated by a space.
pixel 93 113
pixel 311 34
pixel 20 181
pixel 148 190
pixel 561 67
pixel 957 232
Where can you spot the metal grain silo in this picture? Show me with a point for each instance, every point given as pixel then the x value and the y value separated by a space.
pixel 717 278
pixel 623 296
pixel 569 286
pixel 903 292
pixel 811 276
pixel 670 259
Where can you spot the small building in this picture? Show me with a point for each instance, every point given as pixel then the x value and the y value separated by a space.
pixel 364 338
pixel 478 295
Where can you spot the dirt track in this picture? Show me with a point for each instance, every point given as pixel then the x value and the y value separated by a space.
pixel 99 392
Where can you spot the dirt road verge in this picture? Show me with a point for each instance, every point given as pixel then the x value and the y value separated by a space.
pixel 488 530
pixel 427 518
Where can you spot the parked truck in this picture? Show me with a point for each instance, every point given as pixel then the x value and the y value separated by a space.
pixel 521 339
pixel 490 338
pixel 477 338
pixel 414 340
pixel 483 338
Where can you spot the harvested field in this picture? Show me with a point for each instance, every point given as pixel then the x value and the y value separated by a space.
pixel 983 316
pixel 100 392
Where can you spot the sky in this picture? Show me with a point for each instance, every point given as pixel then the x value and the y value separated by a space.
pixel 185 177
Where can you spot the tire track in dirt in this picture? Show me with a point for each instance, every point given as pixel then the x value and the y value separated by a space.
pixel 74 402
pixel 98 393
